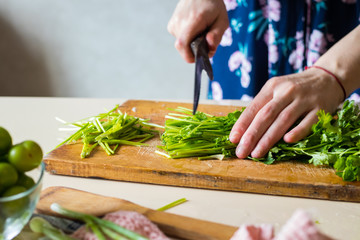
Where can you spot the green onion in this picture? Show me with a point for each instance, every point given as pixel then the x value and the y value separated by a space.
pixel 100 227
pixel 40 225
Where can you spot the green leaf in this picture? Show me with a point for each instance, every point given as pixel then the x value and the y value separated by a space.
pixel 353 161
pixel 320 158
pixel 340 164
pixel 348 174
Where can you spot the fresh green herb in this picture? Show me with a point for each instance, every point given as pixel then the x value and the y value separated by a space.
pixel 100 227
pixel 173 204
pixel 109 130
pixel 200 135
pixel 334 142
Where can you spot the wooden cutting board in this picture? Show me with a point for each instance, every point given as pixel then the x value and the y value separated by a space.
pixel 142 164
pixel 171 224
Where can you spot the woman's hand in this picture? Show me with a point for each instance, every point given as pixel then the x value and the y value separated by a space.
pixel 193 17
pixel 284 100
pixel 280 103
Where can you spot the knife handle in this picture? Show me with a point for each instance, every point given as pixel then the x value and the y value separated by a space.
pixel 200 46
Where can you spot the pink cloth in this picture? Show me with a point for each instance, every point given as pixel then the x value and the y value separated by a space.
pixel 133 221
pixel 252 232
pixel 299 227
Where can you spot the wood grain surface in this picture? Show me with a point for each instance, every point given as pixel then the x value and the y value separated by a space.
pixel 171 224
pixel 142 164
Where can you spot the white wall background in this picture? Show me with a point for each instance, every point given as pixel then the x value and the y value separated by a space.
pixel 91 48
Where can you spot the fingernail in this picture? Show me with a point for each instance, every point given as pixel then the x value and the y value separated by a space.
pixel 256 153
pixel 288 137
pixel 234 137
pixel 240 149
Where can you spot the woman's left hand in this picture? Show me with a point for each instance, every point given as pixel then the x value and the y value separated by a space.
pixel 279 104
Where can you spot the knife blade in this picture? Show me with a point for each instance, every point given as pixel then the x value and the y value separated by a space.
pixel 66 225
pixel 200 50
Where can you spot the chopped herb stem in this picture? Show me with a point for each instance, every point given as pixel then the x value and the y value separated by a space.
pixel 215 156
pixel 74 136
pixel 124 142
pixel 111 128
pixel 198 135
pixel 173 204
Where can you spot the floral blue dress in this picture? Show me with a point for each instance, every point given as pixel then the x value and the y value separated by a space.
pixel 269 38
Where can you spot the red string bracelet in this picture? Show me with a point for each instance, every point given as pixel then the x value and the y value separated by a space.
pixel 333 75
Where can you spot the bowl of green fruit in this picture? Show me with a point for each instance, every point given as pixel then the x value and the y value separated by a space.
pixel 21 175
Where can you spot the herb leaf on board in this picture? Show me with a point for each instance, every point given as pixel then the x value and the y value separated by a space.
pixel 334 142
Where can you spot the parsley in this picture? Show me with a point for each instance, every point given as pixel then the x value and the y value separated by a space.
pixel 334 141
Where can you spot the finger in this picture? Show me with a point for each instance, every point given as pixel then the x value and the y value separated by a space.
pixel 176 18
pixel 249 114
pixel 215 33
pixel 276 131
pixel 260 124
pixel 211 40
pixel 175 27
pixel 185 50
pixel 170 27
pixel 187 34
pixel 302 129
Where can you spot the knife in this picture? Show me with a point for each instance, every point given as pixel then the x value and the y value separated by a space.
pixel 200 50
pixel 66 225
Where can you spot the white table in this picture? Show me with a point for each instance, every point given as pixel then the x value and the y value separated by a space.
pixel 34 118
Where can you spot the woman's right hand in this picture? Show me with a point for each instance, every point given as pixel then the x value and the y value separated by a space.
pixel 193 17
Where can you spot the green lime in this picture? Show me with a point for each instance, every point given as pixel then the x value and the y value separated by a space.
pixel 16 206
pixel 25 181
pixel 8 175
pixel 25 156
pixel 13 191
pixel 5 141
